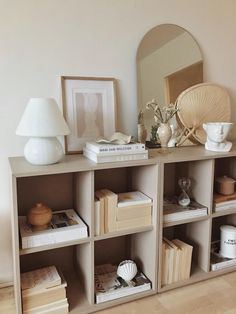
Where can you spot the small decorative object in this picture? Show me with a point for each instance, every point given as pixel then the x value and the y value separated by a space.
pixel 89 106
pixel 216 136
pixel 127 270
pixel 228 241
pixel 42 121
pixel 225 185
pixel 117 138
pixel 162 115
pixel 184 184
pixel 39 217
pixel 142 131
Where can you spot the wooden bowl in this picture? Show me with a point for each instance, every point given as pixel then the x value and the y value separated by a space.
pixel 39 217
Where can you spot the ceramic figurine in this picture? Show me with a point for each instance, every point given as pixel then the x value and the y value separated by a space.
pixel 216 136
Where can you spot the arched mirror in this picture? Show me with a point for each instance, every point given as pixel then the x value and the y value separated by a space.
pixel 169 60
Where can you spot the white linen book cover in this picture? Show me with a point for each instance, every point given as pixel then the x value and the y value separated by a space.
pixel 65 225
pixel 115 148
pixel 114 157
pixel 133 198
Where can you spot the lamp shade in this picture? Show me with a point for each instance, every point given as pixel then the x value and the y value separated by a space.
pixel 42 118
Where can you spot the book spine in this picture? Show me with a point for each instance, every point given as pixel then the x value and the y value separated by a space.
pixel 115 148
pixel 51 238
pixel 224 264
pixel 114 158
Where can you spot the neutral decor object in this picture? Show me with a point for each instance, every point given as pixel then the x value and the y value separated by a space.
pixel 199 104
pixel 42 121
pixel 162 116
pixel 117 138
pixel 39 217
pixel 225 185
pixel 142 131
pixel 127 270
pixel 217 133
pixel 228 241
pixel 184 184
pixel 89 106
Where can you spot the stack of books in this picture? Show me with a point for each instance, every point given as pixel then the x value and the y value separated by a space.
pixel 44 291
pixel 101 153
pixel 114 212
pixel 217 260
pixel 65 225
pixel 176 261
pixel 224 202
pixel 172 211
pixel 108 286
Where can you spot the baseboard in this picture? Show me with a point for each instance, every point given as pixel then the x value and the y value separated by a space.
pixel 6 284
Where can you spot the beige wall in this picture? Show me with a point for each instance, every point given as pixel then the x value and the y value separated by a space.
pixel 41 40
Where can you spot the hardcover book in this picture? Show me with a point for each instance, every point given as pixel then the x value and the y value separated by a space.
pixel 114 157
pixel 113 148
pixel 218 261
pixel 65 225
pixel 132 198
pixel 172 211
pixel 108 286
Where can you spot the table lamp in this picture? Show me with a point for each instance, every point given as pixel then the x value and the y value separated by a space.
pixel 42 121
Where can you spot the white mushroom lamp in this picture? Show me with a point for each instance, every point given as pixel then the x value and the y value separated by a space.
pixel 42 121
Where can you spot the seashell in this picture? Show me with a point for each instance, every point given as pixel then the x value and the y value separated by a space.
pixel 127 270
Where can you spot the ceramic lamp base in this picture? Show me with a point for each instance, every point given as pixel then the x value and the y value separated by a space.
pixel 43 150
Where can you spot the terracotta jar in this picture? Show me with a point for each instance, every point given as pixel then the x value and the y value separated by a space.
pixel 39 217
pixel 225 185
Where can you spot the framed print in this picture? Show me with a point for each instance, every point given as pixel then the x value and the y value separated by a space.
pixel 89 107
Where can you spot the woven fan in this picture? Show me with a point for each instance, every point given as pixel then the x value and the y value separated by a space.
pixel 201 103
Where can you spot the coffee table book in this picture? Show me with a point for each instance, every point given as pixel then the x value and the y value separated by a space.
pixel 172 211
pixel 108 286
pixel 65 225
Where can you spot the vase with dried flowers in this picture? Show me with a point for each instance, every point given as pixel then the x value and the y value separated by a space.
pixel 162 116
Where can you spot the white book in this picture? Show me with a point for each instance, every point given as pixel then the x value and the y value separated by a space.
pixel 114 157
pixel 132 198
pixel 220 262
pixel 65 225
pixel 115 148
pixel 226 203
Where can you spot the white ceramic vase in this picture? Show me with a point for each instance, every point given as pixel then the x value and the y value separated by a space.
pixel 164 133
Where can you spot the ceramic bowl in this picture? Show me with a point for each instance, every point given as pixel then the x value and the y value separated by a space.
pixel 127 270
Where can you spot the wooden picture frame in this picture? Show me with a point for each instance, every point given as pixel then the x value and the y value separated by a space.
pixel 89 108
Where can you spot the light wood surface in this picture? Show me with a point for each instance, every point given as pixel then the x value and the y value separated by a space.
pixel 212 296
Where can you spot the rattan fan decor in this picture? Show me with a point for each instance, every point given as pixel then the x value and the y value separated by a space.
pixel 201 103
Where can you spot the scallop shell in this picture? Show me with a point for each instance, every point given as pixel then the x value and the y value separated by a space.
pixel 127 270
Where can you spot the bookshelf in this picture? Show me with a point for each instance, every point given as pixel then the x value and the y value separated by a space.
pixel 72 184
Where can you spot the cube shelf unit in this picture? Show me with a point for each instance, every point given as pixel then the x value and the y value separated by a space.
pixel 72 183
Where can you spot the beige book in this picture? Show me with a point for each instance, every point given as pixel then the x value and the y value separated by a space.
pixel 97 215
pixel 186 259
pixel 172 269
pixel 44 297
pixel 134 223
pixel 134 211
pixel 164 270
pixel 110 210
pixel 60 306
pixel 101 198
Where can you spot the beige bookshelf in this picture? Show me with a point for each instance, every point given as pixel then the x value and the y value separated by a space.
pixel 71 184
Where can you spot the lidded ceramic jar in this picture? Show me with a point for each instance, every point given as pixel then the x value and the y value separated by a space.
pixel 39 216
pixel 225 185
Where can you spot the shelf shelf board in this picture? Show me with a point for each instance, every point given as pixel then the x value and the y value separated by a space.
pixel 184 221
pixel 53 246
pixel 123 233
pixel 224 212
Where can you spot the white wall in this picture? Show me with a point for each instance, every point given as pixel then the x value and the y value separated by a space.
pixel 41 40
